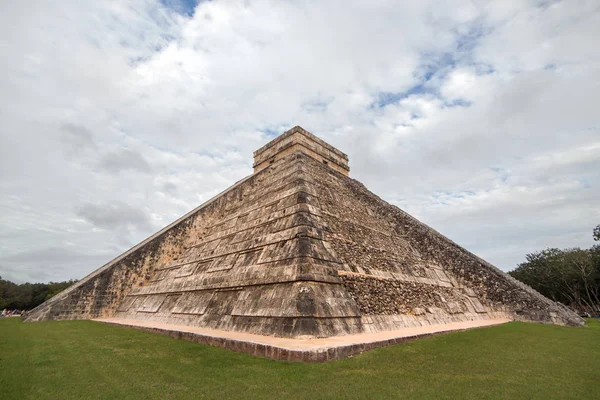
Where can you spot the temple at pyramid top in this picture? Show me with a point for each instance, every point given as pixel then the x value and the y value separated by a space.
pixel 299 139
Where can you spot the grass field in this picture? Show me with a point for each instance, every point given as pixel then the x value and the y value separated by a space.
pixel 91 360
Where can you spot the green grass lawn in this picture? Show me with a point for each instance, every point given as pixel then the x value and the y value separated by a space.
pixel 91 360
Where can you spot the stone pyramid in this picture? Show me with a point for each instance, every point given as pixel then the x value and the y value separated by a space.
pixel 299 249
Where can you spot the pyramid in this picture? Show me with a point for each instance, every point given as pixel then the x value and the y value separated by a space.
pixel 299 249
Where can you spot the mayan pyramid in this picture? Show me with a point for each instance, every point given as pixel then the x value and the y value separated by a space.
pixel 299 249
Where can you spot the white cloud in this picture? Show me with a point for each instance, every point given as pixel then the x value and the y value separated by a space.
pixel 478 117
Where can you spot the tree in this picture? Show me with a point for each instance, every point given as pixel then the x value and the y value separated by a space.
pixel 597 233
pixel 570 276
pixel 540 271
pixel 27 295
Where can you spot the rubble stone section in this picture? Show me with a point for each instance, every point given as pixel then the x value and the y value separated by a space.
pixel 300 250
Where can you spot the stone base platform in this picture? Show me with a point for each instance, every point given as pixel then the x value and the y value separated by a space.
pixel 302 350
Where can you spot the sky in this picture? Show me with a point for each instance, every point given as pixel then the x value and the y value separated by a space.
pixel 480 118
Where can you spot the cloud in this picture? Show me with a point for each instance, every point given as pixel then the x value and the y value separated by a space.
pixel 45 264
pixel 123 160
pixel 169 187
pixel 126 224
pixel 78 138
pixel 479 118
pixel 114 216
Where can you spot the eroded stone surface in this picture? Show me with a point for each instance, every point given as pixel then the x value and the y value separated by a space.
pixel 299 249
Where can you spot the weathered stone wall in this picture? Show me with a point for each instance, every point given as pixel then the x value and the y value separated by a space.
pixel 100 293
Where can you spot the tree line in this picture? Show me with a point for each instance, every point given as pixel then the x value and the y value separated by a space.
pixel 27 296
pixel 570 276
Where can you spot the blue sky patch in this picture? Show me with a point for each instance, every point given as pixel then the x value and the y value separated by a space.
pixel 434 67
pixel 386 98
pixel 466 42
pixel 183 7
pixel 457 103
pixel 503 174
pixel 272 131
